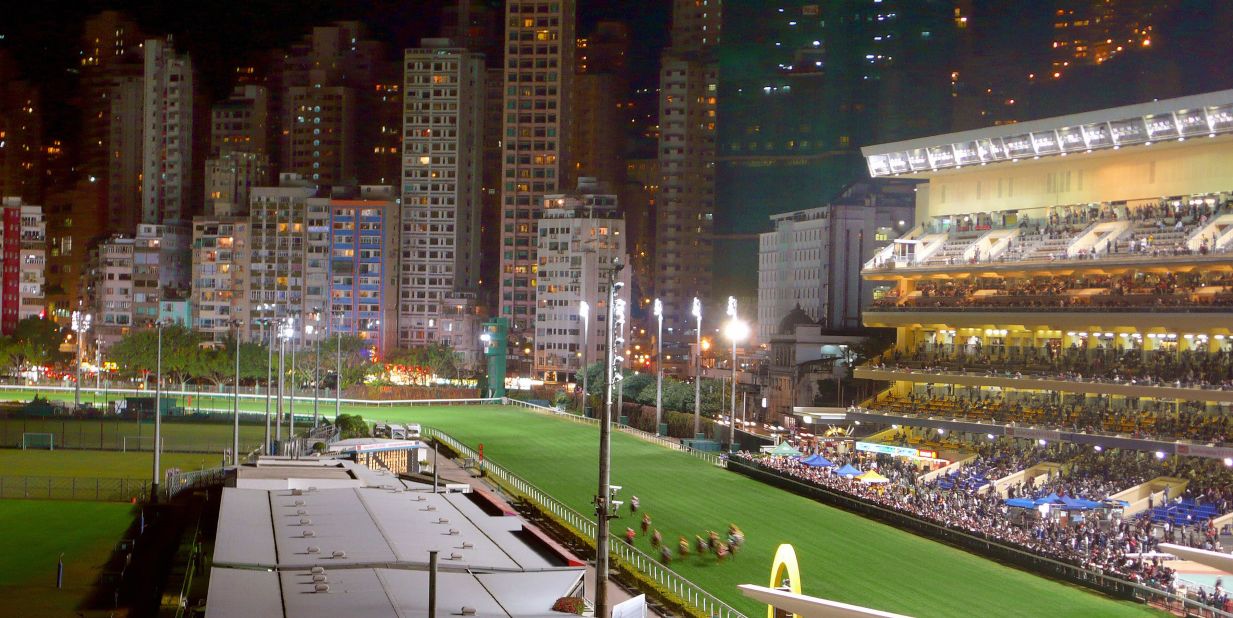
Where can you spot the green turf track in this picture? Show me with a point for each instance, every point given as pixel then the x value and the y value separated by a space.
pixel 843 556
pixel 36 532
pixel 109 433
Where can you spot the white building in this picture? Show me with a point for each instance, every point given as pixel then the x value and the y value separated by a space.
pixel 813 257
pixel 441 183
pixel 580 237
pixel 23 245
pixel 114 289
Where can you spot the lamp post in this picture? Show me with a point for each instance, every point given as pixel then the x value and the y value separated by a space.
pixel 736 330
pixel 697 313
pixel 158 413
pixel 80 325
pixel 268 325
pixel 659 365
pixel 235 429
pixel 584 312
pixel 284 333
pixel 337 373
pixel 315 330
pixel 291 393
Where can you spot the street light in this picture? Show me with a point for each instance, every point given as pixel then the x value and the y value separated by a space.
pixel 736 330
pixel 285 331
pixel 659 365
pixel 314 329
pixel 584 312
pixel 696 310
pixel 80 325
pixel 604 499
pixel 235 433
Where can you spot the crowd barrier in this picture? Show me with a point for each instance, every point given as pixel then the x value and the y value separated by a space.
pixel 687 591
pixel 74 488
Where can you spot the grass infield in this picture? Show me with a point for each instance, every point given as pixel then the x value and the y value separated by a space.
pixel 843 556
pixel 90 464
pixel 38 531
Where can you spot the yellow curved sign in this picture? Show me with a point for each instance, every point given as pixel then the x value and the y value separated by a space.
pixel 785 564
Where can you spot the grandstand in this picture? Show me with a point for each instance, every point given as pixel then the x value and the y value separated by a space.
pixel 1077 288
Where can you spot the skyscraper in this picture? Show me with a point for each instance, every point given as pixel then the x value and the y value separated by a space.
pixel 688 91
pixel 441 183
pixel 539 70
pixel 168 167
pixel 21 143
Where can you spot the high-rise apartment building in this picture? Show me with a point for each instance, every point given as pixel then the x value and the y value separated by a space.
pixel 688 92
pixel 598 116
pixel 442 154
pixel 242 122
pixel 1095 31
pixel 539 67
pixel 220 274
pixel 125 143
pixel 168 151
pixel 363 266
pixel 131 276
pixel 490 199
pixel 23 246
pixel 111 57
pixel 289 240
pixel 581 238
pixel 812 259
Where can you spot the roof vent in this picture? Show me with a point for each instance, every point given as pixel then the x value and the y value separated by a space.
pixel 317 570
pixel 309 534
pixel 340 554
pixel 297 492
pixel 301 512
pixel 442 520
pixel 322 587
pixel 312 488
pixel 468 611
pixel 304 521
pixel 429 508
pixel 299 502
pixel 453 531
pixel 455 556
pixel 467 545
pixel 319 577
pixel 419 498
pixel 313 549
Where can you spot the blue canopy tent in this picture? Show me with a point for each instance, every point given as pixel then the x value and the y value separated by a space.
pixel 1022 503
pixel 848 470
pixel 817 461
pixel 1079 504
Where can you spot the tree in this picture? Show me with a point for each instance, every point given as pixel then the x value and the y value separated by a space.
pixel 356 363
pixel 36 342
pixel 137 354
pixel 351 426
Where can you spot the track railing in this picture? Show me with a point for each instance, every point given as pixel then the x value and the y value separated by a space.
pixel 86 390
pixel 688 592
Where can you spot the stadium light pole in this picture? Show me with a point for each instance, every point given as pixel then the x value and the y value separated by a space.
pixel 158 412
pixel 284 332
pixel 235 404
pixel 267 337
pixel 737 330
pixel 291 393
pixel 337 373
pixel 584 313
pixel 81 325
pixel 602 501
pixel 696 310
pixel 659 365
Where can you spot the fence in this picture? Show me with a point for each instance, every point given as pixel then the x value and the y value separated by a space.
pixel 74 488
pixel 1112 585
pixel 253 394
pixel 180 481
pixel 675 445
pixel 688 592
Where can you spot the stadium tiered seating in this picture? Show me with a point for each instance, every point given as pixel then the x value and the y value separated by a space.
pixel 1184 512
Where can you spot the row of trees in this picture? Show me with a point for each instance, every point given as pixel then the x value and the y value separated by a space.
pixel 678 394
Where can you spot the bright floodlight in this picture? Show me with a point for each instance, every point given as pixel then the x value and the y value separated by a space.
pixel 658 308
pixel 731 307
pixel 736 330
pixel 486 338
pixel 584 310
pixel 696 310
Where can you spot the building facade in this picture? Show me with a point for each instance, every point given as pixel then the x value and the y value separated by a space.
pixel 812 259
pixel 539 70
pixel 581 240
pixel 24 253
pixel 363 267
pixel 220 275
pixel 441 184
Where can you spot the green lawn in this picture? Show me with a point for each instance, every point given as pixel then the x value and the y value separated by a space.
pixel 37 532
pixel 843 556
pixel 109 433
pixel 106 464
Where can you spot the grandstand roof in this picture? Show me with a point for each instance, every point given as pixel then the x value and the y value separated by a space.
pixel 1199 115
pixel 373 543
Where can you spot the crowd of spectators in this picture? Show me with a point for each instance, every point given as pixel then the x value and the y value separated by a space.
pixel 1148 420
pixel 1104 543
pixel 1090 291
pixel 1182 369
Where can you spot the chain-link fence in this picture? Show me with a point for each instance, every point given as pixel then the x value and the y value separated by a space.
pixel 74 488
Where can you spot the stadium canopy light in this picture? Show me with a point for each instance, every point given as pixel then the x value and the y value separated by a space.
pixel 1208 114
